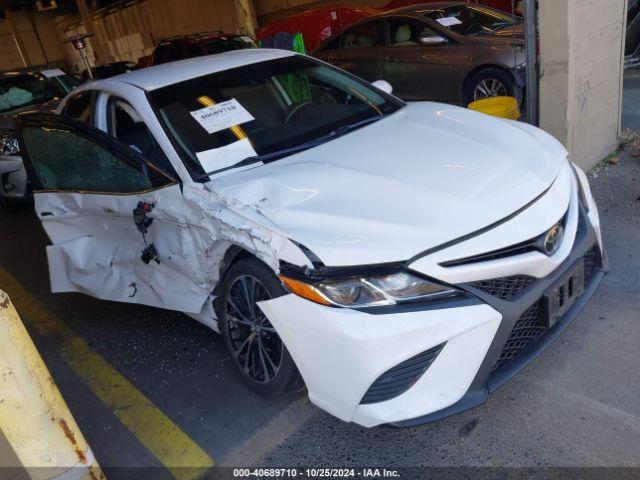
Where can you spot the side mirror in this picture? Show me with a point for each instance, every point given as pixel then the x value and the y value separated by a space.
pixel 432 40
pixel 383 85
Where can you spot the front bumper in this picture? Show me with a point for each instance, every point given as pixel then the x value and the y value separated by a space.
pixel 341 352
pixel 495 371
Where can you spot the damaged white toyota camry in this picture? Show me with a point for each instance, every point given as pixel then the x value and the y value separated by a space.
pixel 402 260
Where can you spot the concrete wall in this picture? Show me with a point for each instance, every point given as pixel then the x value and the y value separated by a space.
pixel 581 56
pixel 268 10
pixel 128 33
pixel 133 31
pixel 48 50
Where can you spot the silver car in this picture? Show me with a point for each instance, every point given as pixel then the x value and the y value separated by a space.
pixel 33 89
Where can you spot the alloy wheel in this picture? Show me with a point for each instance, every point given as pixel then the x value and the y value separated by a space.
pixel 489 87
pixel 255 345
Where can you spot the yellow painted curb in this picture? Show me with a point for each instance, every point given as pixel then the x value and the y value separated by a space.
pixel 34 417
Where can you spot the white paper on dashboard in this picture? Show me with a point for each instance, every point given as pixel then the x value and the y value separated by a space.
pixel 226 156
pixel 54 72
pixel 222 116
pixel 247 39
pixel 448 21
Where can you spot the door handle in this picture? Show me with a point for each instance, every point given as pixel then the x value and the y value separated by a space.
pixel 46 214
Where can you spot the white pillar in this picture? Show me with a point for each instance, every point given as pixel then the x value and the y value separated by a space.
pixel 581 73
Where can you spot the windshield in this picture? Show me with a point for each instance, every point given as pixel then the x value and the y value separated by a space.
pixel 221 119
pixel 471 20
pixel 25 89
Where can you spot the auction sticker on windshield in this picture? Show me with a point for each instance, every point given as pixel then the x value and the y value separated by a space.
pixel 224 157
pixel 54 72
pixel 448 21
pixel 222 116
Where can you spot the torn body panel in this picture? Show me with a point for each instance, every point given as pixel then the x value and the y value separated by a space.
pixel 99 250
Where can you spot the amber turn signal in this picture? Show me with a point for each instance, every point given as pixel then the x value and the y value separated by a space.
pixel 304 290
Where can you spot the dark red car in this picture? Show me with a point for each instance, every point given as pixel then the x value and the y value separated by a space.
pixel 315 25
pixel 197 45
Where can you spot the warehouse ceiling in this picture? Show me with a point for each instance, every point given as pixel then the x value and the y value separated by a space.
pixel 62 7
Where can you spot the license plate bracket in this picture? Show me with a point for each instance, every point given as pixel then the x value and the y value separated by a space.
pixel 561 296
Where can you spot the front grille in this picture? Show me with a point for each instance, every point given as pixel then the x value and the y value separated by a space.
pixel 400 378
pixel 525 331
pixel 582 226
pixel 518 249
pixel 592 260
pixel 529 326
pixel 504 287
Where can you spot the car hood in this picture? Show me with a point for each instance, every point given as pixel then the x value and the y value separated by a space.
pixel 421 177
pixel 6 121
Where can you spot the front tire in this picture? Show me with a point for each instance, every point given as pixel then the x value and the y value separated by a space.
pixel 488 83
pixel 255 347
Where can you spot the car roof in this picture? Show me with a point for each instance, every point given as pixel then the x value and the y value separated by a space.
pixel 158 76
pixel 198 37
pixel 17 71
pixel 421 7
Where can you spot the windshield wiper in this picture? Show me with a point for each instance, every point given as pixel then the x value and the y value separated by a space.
pixel 337 132
pixel 242 163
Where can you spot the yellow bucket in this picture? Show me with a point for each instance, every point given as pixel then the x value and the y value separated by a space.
pixel 503 107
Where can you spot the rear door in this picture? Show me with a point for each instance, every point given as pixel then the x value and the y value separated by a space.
pixel 357 50
pixel 96 199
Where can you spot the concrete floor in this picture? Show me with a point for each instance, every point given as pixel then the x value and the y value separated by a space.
pixel 576 405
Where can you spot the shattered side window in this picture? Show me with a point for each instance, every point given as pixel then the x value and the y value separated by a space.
pixel 64 160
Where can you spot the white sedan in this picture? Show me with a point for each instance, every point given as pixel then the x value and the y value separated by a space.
pixel 402 260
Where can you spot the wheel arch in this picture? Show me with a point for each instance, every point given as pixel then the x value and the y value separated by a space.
pixel 233 254
pixel 480 68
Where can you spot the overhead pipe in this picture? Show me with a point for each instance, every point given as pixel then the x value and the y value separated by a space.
pixel 24 54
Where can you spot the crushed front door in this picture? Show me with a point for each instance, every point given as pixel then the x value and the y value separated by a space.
pixel 96 199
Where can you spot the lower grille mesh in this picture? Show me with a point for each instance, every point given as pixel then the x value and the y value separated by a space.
pixel 504 287
pixel 528 327
pixel 400 378
pixel 591 261
pixel 525 331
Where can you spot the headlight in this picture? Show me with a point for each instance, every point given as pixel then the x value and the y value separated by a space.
pixel 9 144
pixel 369 291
